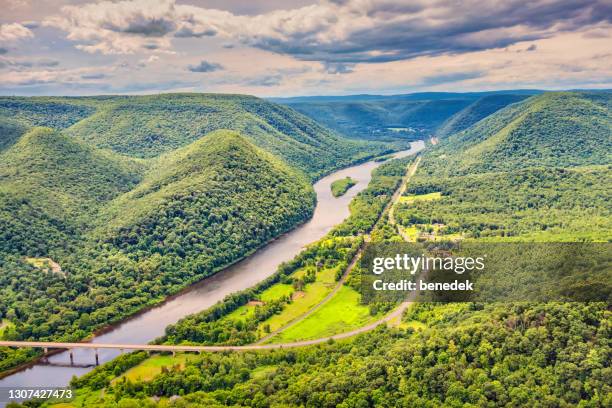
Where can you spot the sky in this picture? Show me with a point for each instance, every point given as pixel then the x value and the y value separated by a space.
pixel 302 47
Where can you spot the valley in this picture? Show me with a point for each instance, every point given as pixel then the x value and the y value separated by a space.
pixel 504 168
pixel 147 326
pixel 305 204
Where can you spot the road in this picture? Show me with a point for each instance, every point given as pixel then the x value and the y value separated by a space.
pixel 185 348
pixel 409 174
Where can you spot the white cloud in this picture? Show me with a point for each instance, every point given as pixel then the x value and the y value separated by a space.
pixel 14 31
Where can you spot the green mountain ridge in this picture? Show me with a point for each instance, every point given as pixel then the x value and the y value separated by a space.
pixel 54 112
pixel 54 183
pixel 534 170
pixel 148 126
pixel 553 129
pixel 479 109
pixel 10 131
pixel 194 192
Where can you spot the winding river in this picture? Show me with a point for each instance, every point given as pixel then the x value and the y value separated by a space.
pixel 151 324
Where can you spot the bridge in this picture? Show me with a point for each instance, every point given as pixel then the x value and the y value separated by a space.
pixel 172 348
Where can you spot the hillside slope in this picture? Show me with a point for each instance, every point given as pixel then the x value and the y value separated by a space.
pixel 54 112
pixel 560 129
pixel 147 126
pixel 10 131
pixel 129 232
pixel 214 200
pixel 476 111
pixel 50 184
pixel 536 170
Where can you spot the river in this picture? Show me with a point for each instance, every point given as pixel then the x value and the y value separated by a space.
pixel 151 324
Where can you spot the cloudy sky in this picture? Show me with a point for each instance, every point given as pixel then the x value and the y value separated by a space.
pixel 302 47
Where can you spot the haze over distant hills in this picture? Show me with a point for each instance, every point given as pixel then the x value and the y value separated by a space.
pixel 404 116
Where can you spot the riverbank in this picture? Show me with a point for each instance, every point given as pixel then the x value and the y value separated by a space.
pixel 146 326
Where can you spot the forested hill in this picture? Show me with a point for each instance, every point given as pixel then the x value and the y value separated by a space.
pixel 212 202
pixel 561 129
pixel 536 170
pixel 50 185
pixel 147 126
pixel 128 232
pixel 476 111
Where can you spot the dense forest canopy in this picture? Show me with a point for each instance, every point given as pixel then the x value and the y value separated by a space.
pixel 148 126
pixel 534 170
pixel 127 231
pixel 474 112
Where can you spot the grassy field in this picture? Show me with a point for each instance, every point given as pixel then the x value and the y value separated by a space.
pixel 4 325
pixel 272 293
pixel 342 313
pixel 421 197
pixel 152 366
pixel 303 301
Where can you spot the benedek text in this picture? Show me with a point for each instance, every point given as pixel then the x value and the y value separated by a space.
pixel 406 285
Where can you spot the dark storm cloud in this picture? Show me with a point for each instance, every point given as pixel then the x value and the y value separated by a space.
pixel 93 76
pixel 452 77
pixel 390 31
pixel 338 68
pixel 205 66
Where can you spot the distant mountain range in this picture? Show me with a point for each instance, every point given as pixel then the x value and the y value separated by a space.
pixel 405 116
pixel 390 117
pixel 417 96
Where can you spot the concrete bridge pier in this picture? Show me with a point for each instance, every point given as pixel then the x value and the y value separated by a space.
pixel 97 357
pixel 71 352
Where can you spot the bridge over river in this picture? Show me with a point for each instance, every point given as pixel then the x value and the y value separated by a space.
pixel 172 348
